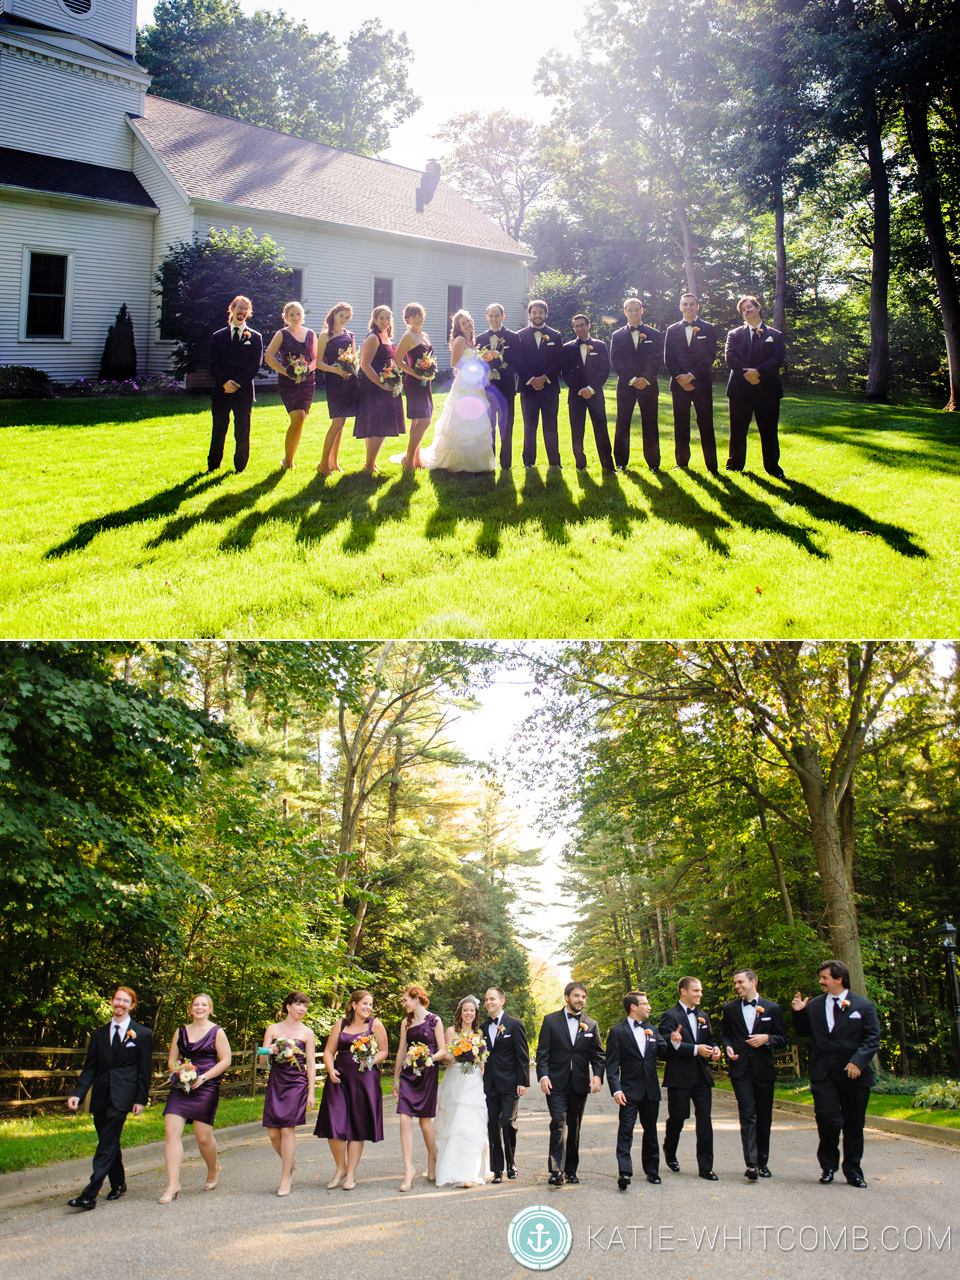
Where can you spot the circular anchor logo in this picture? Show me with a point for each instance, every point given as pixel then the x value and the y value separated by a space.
pixel 539 1237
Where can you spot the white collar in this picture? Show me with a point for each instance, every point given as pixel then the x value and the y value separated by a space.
pixel 122 1026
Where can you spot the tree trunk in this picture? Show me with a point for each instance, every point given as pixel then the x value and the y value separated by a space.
pixel 780 295
pixel 781 878
pixel 878 375
pixel 689 264
pixel 663 941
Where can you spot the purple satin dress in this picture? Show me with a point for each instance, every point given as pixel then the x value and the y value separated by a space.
pixel 342 393
pixel 285 1105
pixel 297 395
pixel 379 411
pixel 351 1111
pixel 198 1104
pixel 418 1094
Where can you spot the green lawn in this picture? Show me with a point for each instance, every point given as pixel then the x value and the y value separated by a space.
pixel 111 528
pixel 893 1106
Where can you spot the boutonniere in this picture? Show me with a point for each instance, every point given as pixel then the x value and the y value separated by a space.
pixel 131 1034
pixel 844 1004
pixel 696 329
pixel 648 1033
pixel 583 1026
pixel 499 1030
pixel 245 338
pixel 702 1021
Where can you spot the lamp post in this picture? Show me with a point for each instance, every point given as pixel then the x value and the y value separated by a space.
pixel 948 936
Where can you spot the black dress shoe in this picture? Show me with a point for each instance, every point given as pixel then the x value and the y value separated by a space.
pixel 555 1180
pixel 623 1182
pixel 856 1182
pixel 116 1192
pixel 826 1176
pixel 751 1174
pixel 672 1164
pixel 764 1172
pixel 498 1177
pixel 777 475
pixel 83 1202
pixel 710 1176
pixel 571 1177
pixel 513 1173
pixel 654 1178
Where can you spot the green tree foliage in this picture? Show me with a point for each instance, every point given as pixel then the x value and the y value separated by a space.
pixel 199 279
pixel 269 70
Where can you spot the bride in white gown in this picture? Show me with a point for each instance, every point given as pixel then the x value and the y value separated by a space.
pixel 461 1123
pixel 463 437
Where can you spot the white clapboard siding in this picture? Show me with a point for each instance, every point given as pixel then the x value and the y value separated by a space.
pixel 63 109
pixel 112 250
pixel 112 22
pixel 339 265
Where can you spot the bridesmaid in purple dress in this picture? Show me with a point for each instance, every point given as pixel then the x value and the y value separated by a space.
pixel 204 1044
pixel 292 1087
pixel 419 395
pixel 351 1109
pixel 341 386
pixel 297 397
pixel 417 1094
pixel 379 411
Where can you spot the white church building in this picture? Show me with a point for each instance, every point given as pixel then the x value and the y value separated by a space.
pixel 98 177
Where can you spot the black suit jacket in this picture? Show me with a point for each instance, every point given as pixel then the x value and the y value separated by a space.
pixel 697 357
pixel 594 373
pixel 239 361
pixel 534 361
pixel 684 1067
pixel 855 1038
pixel 642 361
pixel 508 1062
pixel 628 1071
pixel 769 1021
pixel 739 355
pixel 120 1077
pixel 569 1066
pixel 508 344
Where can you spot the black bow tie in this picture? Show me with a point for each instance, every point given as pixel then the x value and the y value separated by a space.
pixel 575 1016
pixel 752 1003
pixel 635 328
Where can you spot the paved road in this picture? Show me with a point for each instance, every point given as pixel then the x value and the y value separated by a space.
pixel 243 1230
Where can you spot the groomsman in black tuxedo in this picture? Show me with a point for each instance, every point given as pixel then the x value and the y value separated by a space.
pixel 689 350
pixel 633 1047
pixel 755 355
pixel 506 1077
pixel 635 353
pixel 117 1065
pixel 503 389
pixel 569 1067
pixel 236 354
pixel 845 1031
pixel 687 1076
pixel 538 376
pixel 752 1032
pixel 586 367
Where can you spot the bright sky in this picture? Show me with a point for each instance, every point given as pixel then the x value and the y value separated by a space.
pixel 466 58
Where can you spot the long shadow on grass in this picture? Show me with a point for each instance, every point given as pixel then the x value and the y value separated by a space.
pixel 674 505
pixel 352 499
pixel 161 504
pixel 221 509
pixel 822 507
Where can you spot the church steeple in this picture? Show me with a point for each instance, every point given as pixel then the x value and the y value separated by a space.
pixel 108 22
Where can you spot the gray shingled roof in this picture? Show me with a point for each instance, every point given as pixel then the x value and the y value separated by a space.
pixel 70 178
pixel 232 162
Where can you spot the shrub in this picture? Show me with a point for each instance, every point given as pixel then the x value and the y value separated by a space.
pixel 21 380
pixel 119 359
pixel 944 1094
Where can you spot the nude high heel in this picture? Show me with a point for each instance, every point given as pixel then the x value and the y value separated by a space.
pixel 212 1186
pixel 168 1197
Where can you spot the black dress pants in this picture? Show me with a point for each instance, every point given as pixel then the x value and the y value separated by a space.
pixel 629 398
pixel 755 1105
pixel 221 406
pixel 502 1111
pixel 678 1110
pixel 579 407
pixel 566 1113
pixel 766 409
pixel 107 1160
pixel 504 407
pixel 701 399
pixel 647 1110
pixel 534 405
pixel 840 1106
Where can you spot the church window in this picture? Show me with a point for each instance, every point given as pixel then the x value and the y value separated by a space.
pixel 47 295
pixel 454 301
pixel 297 294
pixel 383 291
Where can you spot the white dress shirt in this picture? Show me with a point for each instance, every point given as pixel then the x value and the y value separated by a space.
pixel 640 1036
pixel 691 1023
pixel 492 1030
pixel 573 1026
pixel 119 1026
pixel 689 332
pixel 635 335
pixel 585 349
pixel 832 1008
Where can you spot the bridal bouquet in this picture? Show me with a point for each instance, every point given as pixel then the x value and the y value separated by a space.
pixel 418 1058
pixel 363 1051
pixel 469 1052
pixel 297 368
pixel 391 379
pixel 426 367
pixel 349 360
pixel 285 1050
pixel 185 1076
pixel 489 355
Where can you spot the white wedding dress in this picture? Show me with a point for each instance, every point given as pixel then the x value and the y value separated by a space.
pixel 463 436
pixel 461 1129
